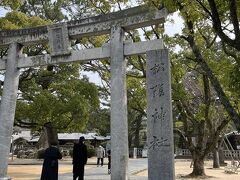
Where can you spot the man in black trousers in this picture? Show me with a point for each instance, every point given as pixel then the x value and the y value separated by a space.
pixel 79 159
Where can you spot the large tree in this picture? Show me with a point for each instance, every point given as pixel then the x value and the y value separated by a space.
pixel 200 119
pixel 202 52
pixel 54 93
pixel 222 20
pixel 224 16
pixel 136 111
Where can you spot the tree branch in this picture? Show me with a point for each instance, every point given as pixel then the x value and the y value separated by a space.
pixel 207 101
pixel 234 17
pixel 204 7
pixel 218 26
pixel 222 96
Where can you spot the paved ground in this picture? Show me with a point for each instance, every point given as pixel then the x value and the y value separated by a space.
pixel 31 169
pixel 100 173
pixel 182 168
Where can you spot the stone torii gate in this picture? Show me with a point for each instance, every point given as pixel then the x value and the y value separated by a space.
pixel 159 112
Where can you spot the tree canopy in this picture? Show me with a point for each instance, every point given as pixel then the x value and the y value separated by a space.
pixel 55 93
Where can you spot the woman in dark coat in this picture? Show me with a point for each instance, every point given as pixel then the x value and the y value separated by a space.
pixel 50 163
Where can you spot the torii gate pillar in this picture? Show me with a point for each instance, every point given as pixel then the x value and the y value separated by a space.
pixel 8 106
pixel 119 121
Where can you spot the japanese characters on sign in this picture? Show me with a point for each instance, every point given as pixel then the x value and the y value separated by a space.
pixel 159 115
pixel 158 142
pixel 157 111
pixel 58 39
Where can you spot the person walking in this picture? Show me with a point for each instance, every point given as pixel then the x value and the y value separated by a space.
pixel 79 159
pixel 50 163
pixel 109 161
pixel 100 155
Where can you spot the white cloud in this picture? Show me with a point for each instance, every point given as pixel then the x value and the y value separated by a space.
pixel 174 24
pixel 2 12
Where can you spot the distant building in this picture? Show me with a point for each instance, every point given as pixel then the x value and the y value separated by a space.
pixel 63 138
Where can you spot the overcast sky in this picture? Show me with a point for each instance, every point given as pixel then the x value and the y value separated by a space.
pixel 2 12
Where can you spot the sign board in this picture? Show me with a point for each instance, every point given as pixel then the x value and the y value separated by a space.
pixel 144 153
pixel 58 39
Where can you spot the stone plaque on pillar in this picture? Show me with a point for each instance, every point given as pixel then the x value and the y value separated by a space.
pixel 159 117
pixel 58 39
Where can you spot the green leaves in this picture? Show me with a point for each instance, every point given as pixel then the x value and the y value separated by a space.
pixel 13 4
pixel 17 20
pixel 67 105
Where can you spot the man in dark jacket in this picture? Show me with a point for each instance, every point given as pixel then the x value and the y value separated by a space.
pixel 50 163
pixel 79 159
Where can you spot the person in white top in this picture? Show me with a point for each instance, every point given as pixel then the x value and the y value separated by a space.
pixel 100 155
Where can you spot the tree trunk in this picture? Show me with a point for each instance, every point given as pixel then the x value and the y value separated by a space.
pixel 138 126
pixel 216 162
pixel 129 140
pixel 198 166
pixel 221 157
pixel 48 136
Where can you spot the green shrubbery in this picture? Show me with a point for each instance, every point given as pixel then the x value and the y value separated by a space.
pixel 91 151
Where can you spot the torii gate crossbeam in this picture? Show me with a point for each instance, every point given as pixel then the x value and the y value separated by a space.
pixel 128 19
